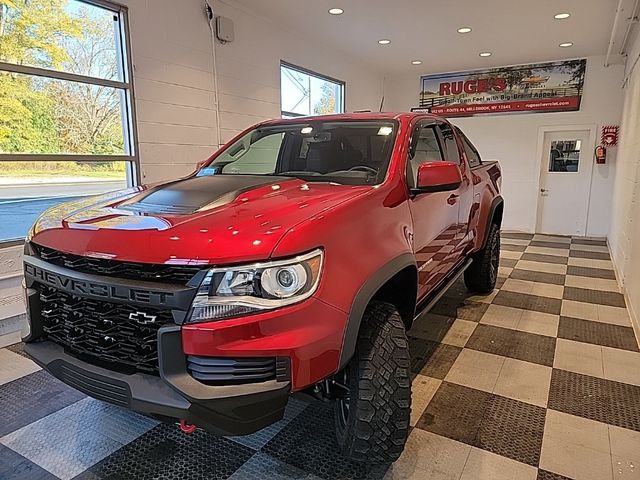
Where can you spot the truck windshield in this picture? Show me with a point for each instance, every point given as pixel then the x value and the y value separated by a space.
pixel 347 152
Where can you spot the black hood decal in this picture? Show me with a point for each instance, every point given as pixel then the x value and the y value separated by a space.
pixel 187 196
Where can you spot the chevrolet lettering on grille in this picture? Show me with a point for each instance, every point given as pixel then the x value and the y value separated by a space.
pixel 84 287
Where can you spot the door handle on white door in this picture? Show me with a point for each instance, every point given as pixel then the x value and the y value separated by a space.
pixel 543 190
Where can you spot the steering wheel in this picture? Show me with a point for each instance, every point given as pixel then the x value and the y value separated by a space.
pixel 363 168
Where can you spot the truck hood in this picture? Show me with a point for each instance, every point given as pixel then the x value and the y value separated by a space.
pixel 198 220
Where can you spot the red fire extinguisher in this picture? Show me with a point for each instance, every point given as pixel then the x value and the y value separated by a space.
pixel 601 155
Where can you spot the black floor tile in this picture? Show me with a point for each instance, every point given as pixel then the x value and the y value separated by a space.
pixel 508 262
pixel 431 326
pixel 32 397
pixel 540 243
pixel 597 333
pixel 587 241
pixel 591 272
pixel 456 412
pixel 528 302
pixel 513 429
pixel 514 344
pixel 308 442
pixel 497 424
pixel 540 277
pixel 165 452
pixel 537 257
pixel 599 297
pixel 601 400
pixel 465 309
pixel 431 358
pixel 513 248
pixel 592 255
pixel 517 235
pixel 14 466
pixel 544 475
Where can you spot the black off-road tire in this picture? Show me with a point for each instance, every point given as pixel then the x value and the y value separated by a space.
pixel 372 421
pixel 482 274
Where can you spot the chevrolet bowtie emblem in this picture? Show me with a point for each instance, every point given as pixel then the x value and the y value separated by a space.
pixel 142 318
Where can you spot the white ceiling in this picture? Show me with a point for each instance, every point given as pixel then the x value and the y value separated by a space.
pixel 515 31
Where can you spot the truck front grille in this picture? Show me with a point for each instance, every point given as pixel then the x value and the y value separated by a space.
pixel 112 268
pixel 111 335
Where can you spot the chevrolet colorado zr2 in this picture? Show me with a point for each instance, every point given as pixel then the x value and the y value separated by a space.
pixel 294 259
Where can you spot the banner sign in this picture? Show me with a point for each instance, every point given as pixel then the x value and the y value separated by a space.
pixel 540 87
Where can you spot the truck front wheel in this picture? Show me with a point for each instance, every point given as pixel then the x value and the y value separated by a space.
pixel 482 274
pixel 372 416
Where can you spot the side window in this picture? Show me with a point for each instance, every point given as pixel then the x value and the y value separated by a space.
pixel 427 146
pixel 427 149
pixel 472 154
pixel 451 152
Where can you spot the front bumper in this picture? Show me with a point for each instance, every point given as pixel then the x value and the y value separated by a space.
pixel 225 410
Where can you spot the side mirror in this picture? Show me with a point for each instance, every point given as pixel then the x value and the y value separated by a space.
pixel 438 177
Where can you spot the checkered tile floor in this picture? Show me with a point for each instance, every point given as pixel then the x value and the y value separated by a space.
pixel 538 380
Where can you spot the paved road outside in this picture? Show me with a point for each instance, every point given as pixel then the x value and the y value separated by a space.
pixel 21 204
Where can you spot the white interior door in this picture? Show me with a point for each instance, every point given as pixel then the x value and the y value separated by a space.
pixel 565 181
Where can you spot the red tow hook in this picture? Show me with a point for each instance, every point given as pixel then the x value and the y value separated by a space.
pixel 187 427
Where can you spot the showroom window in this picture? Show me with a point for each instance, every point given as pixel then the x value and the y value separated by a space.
pixel 304 93
pixel 67 122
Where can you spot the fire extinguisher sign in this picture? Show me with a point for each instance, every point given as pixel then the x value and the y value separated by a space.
pixel 610 135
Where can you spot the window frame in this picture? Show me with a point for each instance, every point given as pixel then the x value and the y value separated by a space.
pixel 306 71
pixel 129 119
pixel 413 142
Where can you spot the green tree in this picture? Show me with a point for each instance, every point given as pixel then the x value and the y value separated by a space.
pixel 327 102
pixel 29 35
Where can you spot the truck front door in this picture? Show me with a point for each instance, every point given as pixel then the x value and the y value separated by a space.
pixel 435 215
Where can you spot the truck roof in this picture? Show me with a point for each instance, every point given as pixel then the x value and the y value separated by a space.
pixel 356 116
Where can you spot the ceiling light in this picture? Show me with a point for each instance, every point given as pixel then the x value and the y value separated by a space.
pixel 485 54
pixel 464 30
pixel 336 11
pixel 561 16
pixel 566 44
pixel 384 41
pixel 416 62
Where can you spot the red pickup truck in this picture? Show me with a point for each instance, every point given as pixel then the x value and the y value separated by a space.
pixel 294 259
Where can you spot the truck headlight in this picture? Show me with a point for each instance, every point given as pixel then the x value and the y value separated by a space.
pixel 233 291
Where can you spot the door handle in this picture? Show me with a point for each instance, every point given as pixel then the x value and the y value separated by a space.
pixel 453 199
pixel 543 190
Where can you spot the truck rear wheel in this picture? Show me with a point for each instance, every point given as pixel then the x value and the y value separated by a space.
pixel 482 275
pixel 372 417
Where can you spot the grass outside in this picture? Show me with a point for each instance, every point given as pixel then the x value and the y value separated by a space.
pixel 63 169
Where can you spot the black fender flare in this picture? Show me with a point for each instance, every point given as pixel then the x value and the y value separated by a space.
pixel 497 201
pixel 362 299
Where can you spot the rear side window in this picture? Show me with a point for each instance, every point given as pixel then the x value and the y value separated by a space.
pixel 452 154
pixel 472 154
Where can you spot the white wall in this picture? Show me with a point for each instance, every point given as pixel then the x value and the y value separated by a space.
pixel 513 139
pixel 625 219
pixel 174 83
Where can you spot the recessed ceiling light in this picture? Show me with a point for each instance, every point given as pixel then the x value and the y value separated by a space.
pixel 416 62
pixel 485 54
pixel 464 30
pixel 384 41
pixel 336 11
pixel 566 44
pixel 561 16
